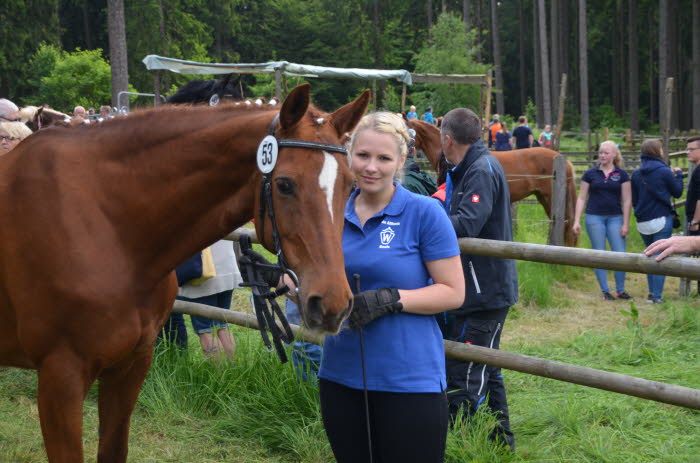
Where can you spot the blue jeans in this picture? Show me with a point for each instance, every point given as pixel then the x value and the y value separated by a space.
pixel 306 356
pixel 202 325
pixel 656 282
pixel 600 227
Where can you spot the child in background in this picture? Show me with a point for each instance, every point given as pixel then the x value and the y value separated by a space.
pixel 546 137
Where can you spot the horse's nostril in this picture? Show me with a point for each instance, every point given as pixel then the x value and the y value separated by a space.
pixel 314 311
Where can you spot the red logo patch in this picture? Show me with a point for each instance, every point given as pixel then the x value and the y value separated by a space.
pixel 476 198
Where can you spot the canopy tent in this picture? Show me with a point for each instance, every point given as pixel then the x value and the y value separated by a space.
pixel 281 69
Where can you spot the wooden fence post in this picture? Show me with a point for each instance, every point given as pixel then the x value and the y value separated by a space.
pixel 278 84
pixel 606 134
pixel 629 139
pixel 156 88
pixel 556 234
pixel 403 98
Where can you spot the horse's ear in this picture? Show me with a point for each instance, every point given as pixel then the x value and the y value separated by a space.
pixel 294 106
pixel 346 118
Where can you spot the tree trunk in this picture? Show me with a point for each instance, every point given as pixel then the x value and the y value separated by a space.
pixel 444 6
pixel 674 51
pixel 583 64
pixel 117 49
pixel 538 65
pixel 564 38
pixel 633 63
pixel 165 82
pixel 554 37
pixel 429 8
pixel 466 6
pixel 378 51
pixel 521 54
pixel 696 65
pixel 652 81
pixel 663 59
pixel 497 58
pixel 477 26
pixel 544 56
pixel 617 63
pixel 86 25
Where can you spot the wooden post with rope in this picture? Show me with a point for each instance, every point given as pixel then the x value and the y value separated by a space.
pixel 278 84
pixel 558 213
pixel 668 103
pixel 156 88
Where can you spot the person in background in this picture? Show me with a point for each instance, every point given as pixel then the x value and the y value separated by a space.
pixel 522 135
pixel 11 133
pixel 692 200
pixel 412 114
pixel 477 200
pixel 428 115
pixel 216 292
pixel 9 112
pixel 404 250
pixel 306 356
pixel 653 184
pixel 606 194
pixel 545 139
pixel 105 113
pixel 495 127
pixel 79 116
pixel 503 138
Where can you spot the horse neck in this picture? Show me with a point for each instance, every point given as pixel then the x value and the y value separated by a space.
pixel 175 196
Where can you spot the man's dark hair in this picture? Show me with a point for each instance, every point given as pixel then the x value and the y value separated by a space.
pixel 522 119
pixel 462 125
pixel 692 139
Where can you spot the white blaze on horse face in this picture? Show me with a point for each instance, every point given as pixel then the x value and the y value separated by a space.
pixel 326 180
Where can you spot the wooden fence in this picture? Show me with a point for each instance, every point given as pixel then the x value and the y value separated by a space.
pixel 628 385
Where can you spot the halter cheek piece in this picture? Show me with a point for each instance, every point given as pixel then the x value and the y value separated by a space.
pixel 252 269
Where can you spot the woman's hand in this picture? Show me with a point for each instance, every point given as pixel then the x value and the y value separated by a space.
pixel 624 230
pixel 576 228
pixel 676 170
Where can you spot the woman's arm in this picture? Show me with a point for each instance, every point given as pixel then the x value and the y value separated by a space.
pixel 626 208
pixel 446 293
pixel 580 205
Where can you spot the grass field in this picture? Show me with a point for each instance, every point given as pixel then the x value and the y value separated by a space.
pixel 256 410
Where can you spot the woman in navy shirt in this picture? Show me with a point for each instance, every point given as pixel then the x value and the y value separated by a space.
pixel 653 184
pixel 406 253
pixel 503 139
pixel 607 189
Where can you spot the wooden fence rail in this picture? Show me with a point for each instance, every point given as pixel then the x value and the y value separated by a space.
pixel 562 255
pixel 615 382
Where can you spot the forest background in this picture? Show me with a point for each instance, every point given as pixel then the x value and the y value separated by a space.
pixel 617 54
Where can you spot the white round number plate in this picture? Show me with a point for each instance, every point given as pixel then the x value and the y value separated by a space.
pixel 267 154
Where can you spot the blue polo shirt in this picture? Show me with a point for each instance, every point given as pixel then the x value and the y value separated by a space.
pixel 403 352
pixel 605 193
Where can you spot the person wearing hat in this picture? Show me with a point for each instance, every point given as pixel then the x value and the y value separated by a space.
pixel 428 115
pixel 494 127
pixel 9 112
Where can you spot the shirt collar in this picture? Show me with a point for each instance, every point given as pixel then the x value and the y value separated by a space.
pixel 395 207
pixel 476 150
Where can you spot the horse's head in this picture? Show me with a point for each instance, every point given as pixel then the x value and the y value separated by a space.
pixel 310 187
pixel 427 140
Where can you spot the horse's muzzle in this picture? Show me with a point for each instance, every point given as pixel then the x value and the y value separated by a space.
pixel 317 320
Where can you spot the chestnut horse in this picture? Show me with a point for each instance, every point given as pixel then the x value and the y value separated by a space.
pixel 102 214
pixel 529 171
pixel 38 117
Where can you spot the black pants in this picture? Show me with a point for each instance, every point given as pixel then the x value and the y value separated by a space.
pixel 174 331
pixel 470 384
pixel 405 426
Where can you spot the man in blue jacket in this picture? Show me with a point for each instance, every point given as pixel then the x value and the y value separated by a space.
pixel 478 203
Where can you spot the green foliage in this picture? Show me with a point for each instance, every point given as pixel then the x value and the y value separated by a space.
pixel 450 51
pixel 79 78
pixel 605 116
pixel 531 112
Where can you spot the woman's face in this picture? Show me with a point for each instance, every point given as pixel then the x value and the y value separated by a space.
pixel 7 143
pixel 375 160
pixel 606 155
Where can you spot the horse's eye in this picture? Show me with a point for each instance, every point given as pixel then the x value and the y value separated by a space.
pixel 285 186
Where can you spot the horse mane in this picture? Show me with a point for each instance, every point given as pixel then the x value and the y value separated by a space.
pixel 27 113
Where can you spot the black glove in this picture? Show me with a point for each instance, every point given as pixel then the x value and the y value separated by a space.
pixel 270 273
pixel 372 304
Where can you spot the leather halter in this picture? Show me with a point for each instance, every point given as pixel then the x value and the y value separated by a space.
pixel 251 267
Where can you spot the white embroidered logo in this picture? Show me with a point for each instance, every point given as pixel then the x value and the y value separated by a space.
pixel 385 236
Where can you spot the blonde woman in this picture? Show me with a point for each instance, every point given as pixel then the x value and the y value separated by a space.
pixel 11 133
pixel 405 251
pixel 607 190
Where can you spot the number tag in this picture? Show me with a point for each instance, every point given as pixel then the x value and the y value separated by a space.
pixel 267 154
